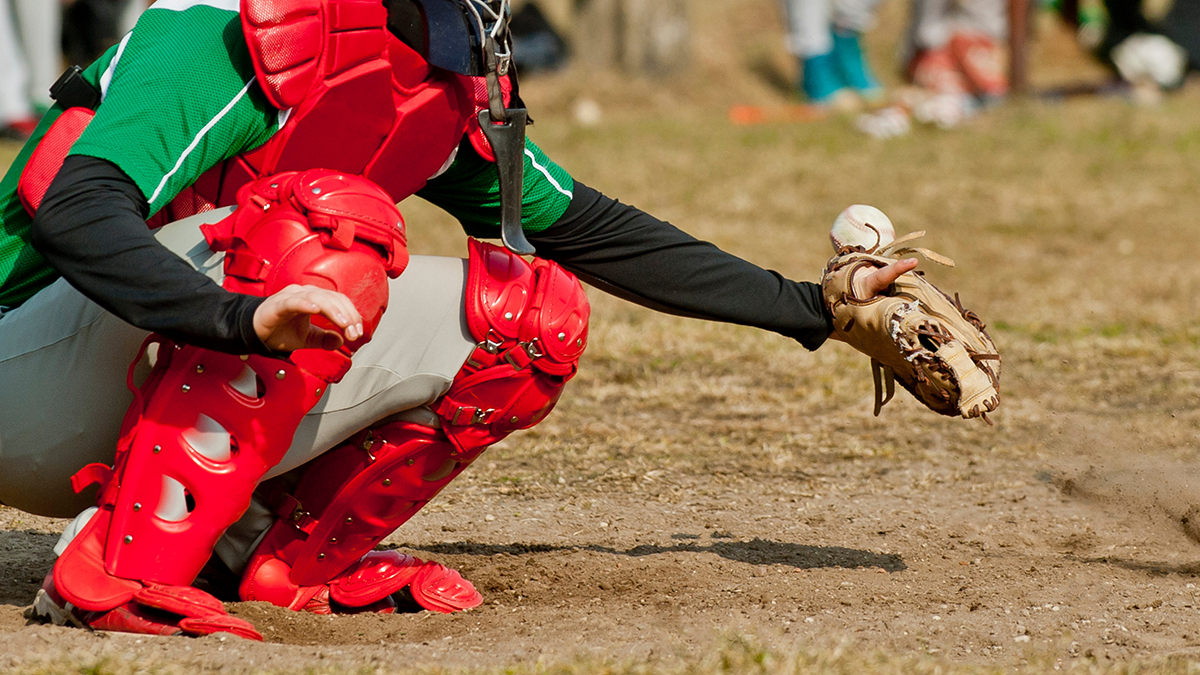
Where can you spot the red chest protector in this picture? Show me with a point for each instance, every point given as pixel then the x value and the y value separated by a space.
pixel 355 98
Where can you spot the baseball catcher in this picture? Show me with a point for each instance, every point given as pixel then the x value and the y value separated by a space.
pixel 264 379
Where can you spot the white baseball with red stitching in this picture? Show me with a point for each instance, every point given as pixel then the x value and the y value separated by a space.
pixel 862 225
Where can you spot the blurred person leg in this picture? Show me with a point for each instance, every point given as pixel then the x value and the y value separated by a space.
pixel 980 31
pixel 39 23
pixel 927 48
pixel 810 41
pixel 17 120
pixel 851 19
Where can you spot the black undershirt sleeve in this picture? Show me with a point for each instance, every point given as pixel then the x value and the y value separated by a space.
pixel 631 254
pixel 91 227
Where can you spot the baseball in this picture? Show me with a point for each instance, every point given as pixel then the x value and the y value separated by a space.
pixel 861 225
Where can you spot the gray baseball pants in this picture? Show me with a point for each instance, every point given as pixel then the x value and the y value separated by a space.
pixel 63 364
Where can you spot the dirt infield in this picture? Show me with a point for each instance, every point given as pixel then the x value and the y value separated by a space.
pixel 700 481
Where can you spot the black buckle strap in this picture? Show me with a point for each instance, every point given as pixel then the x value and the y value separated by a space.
pixel 72 91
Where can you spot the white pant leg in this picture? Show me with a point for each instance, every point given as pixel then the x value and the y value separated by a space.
pixel 855 15
pixel 932 23
pixel 808 23
pixel 39 23
pixel 14 76
pixel 989 17
pixel 63 362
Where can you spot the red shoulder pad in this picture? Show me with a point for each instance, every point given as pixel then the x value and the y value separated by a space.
pixel 296 43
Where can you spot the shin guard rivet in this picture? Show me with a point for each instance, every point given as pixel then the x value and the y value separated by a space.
pixel 157 449
pixel 137 506
pixel 562 336
pixel 387 482
pixel 187 388
pixel 515 419
pixel 333 540
pixel 349 520
pixel 129 539
pixel 411 462
pixel 200 369
pixel 281 374
pixel 320 556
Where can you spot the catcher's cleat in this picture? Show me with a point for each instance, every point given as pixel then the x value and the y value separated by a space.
pixel 153 610
pixel 370 585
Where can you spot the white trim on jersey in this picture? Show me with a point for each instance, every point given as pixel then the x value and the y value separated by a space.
pixel 200 136
pixel 184 5
pixel 546 173
pixel 106 78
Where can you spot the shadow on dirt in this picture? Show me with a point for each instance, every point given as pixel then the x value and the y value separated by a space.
pixel 1149 567
pixel 25 557
pixel 755 552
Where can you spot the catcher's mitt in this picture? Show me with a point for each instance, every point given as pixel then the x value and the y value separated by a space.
pixel 913 332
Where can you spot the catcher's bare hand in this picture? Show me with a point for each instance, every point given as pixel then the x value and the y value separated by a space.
pixel 869 284
pixel 284 320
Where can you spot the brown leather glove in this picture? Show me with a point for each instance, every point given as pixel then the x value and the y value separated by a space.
pixel 915 333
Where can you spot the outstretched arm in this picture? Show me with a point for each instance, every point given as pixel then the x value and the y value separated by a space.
pixel 632 254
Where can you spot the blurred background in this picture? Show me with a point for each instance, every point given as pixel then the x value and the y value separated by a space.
pixel 890 63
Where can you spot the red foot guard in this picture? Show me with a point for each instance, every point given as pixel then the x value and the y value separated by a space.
pixel 153 610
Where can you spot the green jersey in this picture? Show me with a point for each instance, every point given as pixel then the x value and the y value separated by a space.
pixel 180 96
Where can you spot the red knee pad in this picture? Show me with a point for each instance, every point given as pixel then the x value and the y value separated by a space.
pixel 318 227
pixel 531 321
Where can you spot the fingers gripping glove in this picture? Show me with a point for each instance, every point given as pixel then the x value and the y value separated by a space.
pixel 913 332
pixel 206 426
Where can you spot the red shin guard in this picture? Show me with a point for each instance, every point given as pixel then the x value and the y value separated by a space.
pixel 531 324
pixel 349 499
pixel 206 426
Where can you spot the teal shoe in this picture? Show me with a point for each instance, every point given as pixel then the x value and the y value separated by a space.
pixel 820 81
pixel 852 65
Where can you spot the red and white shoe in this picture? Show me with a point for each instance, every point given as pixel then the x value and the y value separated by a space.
pixel 367 586
pixel 935 71
pixel 981 60
pixel 154 610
